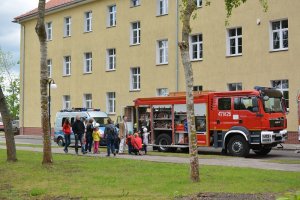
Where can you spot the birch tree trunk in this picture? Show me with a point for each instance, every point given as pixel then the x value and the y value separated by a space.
pixel 188 7
pixel 9 135
pixel 41 32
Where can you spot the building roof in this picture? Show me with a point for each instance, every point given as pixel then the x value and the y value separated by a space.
pixel 51 5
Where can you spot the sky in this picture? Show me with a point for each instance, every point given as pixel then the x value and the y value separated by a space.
pixel 9 31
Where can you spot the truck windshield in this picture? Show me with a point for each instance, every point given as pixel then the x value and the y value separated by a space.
pixel 101 120
pixel 274 104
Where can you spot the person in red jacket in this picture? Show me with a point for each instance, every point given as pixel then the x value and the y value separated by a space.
pixel 67 131
pixel 137 144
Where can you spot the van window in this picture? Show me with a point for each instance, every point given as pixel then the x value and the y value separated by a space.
pixel 72 120
pixel 101 120
pixel 63 121
pixel 224 103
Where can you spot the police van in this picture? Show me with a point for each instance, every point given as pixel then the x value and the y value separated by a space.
pixel 98 116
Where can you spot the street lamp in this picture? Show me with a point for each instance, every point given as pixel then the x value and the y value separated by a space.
pixel 51 85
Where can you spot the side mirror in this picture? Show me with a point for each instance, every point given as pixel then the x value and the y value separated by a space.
pixel 266 98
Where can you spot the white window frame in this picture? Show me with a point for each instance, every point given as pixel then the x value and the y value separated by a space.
pixel 88 63
pixel 111 102
pixel 49 31
pixel 199 3
pixel 162 7
pixel 112 16
pixel 66 102
pixel 281 32
pixel 111 59
pixel 162 92
pixel 162 52
pixel 235 38
pixel 237 86
pixel 49 67
pixel 67 26
pixel 134 3
pixel 135 79
pixel 88 19
pixel 88 101
pixel 199 47
pixel 197 88
pixel 135 33
pixel 67 66
pixel 283 89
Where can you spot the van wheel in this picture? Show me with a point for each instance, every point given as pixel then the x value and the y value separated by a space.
pixel 238 146
pixel 163 139
pixel 60 142
pixel 262 151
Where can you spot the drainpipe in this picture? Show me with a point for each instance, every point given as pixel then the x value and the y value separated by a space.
pixel 177 59
pixel 23 74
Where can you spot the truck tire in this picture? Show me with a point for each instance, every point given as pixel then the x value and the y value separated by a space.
pixel 60 142
pixel 238 146
pixel 262 151
pixel 163 139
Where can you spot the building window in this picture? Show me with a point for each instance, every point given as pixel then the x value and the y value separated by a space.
pixel 88 21
pixel 162 7
pixel 67 26
pixel 283 86
pixel 135 78
pixel 234 41
pixel 111 102
pixel 197 88
pixel 88 65
pixel 87 101
pixel 67 66
pixel 199 3
pixel 111 59
pixel 49 31
pixel 135 3
pixel 66 102
pixel 162 52
pixel 279 35
pixel 162 92
pixel 135 33
pixel 49 66
pixel 196 47
pixel 112 11
pixel 234 86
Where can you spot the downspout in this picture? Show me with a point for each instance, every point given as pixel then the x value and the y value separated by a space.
pixel 177 58
pixel 23 74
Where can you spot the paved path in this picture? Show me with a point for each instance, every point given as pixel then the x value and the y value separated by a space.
pixel 226 161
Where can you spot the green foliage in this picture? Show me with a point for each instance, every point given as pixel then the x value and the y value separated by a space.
pixel 13 97
pixel 82 177
pixel 290 196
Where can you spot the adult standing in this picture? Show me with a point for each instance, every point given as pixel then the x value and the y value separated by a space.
pixel 89 135
pixel 110 136
pixel 67 132
pixel 123 131
pixel 78 130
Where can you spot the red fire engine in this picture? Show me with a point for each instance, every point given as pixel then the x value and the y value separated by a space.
pixel 234 121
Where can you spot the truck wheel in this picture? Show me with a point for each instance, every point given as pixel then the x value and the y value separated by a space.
pixel 163 139
pixel 238 146
pixel 60 142
pixel 262 151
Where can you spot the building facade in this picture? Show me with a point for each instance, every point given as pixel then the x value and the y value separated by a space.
pixel 106 53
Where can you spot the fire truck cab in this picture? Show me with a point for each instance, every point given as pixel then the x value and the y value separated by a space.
pixel 234 121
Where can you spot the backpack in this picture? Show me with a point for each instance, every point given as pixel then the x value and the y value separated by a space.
pixel 111 132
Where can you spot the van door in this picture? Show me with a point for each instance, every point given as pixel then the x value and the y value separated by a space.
pixel 222 113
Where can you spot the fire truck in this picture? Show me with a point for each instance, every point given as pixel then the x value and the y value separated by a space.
pixel 235 121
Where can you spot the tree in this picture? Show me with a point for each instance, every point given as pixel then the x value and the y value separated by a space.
pixel 187 9
pixel 41 32
pixel 13 97
pixel 5 64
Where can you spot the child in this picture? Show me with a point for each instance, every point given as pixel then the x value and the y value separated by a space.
pixel 128 142
pixel 137 144
pixel 145 139
pixel 96 138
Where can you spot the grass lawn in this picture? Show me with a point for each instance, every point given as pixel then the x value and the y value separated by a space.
pixel 108 178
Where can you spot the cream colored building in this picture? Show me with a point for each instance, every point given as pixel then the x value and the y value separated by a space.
pixel 105 53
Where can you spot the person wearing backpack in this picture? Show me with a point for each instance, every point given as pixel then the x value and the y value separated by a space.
pixel 110 136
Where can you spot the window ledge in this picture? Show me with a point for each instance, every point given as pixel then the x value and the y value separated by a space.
pixel 278 50
pixel 235 55
pixel 197 60
pixel 137 44
pixel 87 73
pixel 113 26
pixel 161 64
pixel 67 36
pixel 112 113
pixel 110 70
pixel 137 90
pixel 88 31
pixel 135 6
pixel 161 15
pixel 66 75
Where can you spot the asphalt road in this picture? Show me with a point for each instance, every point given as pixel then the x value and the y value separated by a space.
pixel 276 154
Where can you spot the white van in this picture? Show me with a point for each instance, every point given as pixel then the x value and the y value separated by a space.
pixel 96 114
